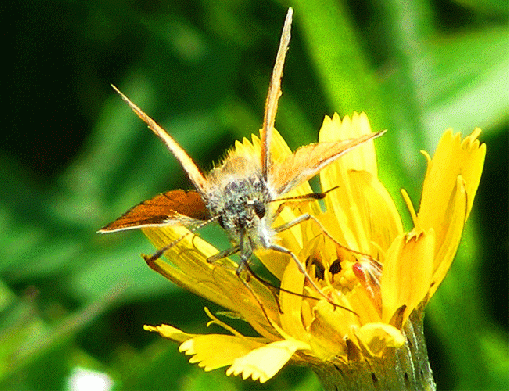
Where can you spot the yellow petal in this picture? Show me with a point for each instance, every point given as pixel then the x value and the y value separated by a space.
pixel 361 301
pixel 372 197
pixel 453 157
pixel 330 328
pixel 359 193
pixel 279 148
pixel 362 157
pixel 451 182
pixel 376 337
pixel 407 273
pixel 263 363
pixel 169 332
pixel 213 351
pixel 291 305
pixel 451 240
pixel 217 282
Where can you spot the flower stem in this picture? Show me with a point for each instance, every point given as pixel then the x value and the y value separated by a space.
pixel 404 368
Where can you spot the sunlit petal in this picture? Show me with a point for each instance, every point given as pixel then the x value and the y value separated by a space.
pixel 408 271
pixel 263 363
pixel 377 337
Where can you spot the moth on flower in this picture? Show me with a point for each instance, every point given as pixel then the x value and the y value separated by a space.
pixel 243 192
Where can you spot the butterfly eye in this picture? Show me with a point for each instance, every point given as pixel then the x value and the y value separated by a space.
pixel 259 208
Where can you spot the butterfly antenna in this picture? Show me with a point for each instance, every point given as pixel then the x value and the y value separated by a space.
pixel 306 197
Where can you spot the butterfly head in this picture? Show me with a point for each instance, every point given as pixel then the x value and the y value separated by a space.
pixel 240 203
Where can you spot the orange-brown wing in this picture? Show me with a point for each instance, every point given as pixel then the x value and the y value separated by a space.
pixel 176 206
pixel 308 160
pixel 273 95
pixel 185 160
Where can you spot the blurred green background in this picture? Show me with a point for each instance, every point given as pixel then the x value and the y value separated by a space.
pixel 73 157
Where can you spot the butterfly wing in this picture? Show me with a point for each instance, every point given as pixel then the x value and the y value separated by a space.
pixel 193 172
pixel 273 95
pixel 172 207
pixel 308 160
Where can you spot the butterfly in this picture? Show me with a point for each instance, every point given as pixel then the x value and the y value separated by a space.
pixel 239 193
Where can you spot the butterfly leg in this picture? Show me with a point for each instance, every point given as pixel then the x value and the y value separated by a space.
pixel 302 269
pixel 307 217
pixel 223 254
pixel 245 253
pixel 367 268
pixel 275 289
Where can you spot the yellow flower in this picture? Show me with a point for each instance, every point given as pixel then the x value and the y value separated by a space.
pixel 377 274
